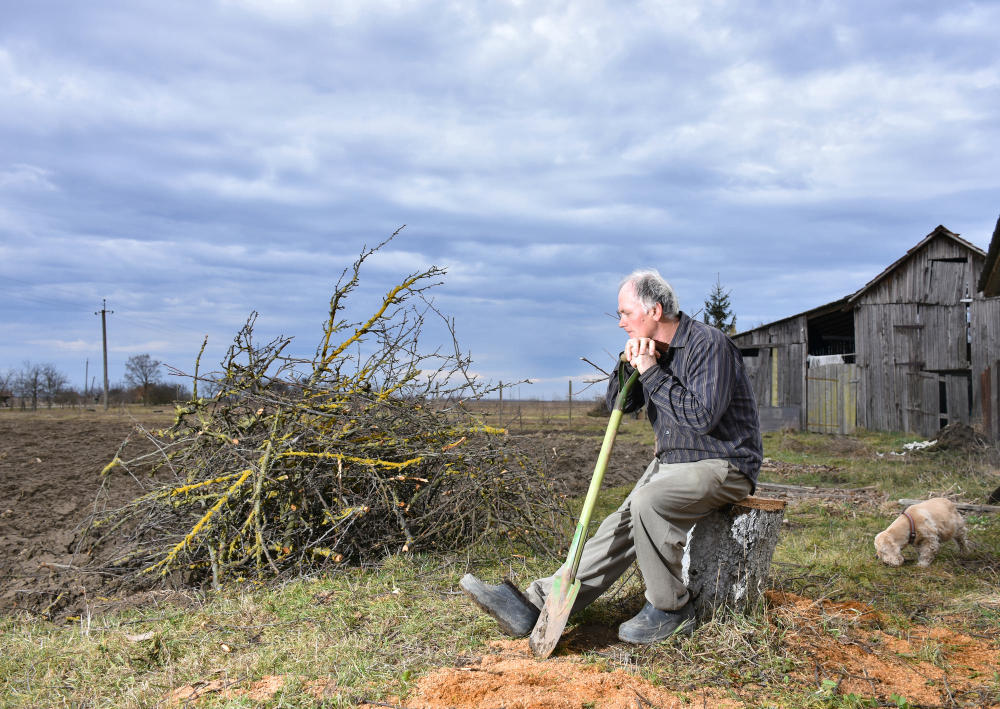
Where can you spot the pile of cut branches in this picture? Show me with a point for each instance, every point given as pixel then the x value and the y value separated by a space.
pixel 293 465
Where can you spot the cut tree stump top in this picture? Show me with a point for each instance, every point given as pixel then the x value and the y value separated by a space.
pixel 764 504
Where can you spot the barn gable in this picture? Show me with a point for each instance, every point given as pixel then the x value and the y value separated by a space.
pixel 942 269
pixel 989 280
pixel 914 341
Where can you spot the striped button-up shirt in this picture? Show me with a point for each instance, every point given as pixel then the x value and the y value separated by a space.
pixel 699 400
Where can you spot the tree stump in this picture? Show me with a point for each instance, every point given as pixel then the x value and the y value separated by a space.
pixel 728 555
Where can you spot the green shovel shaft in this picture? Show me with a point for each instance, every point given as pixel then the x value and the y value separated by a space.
pixel 576 548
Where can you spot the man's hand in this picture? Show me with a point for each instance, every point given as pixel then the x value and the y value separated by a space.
pixel 641 353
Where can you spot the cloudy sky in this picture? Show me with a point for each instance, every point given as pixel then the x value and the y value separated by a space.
pixel 192 162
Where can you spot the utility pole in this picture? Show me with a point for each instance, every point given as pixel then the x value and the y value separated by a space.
pixel 104 332
pixel 570 402
pixel 86 378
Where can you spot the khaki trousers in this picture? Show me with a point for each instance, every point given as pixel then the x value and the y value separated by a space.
pixel 651 526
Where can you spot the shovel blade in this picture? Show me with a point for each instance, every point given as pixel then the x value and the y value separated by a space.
pixel 552 620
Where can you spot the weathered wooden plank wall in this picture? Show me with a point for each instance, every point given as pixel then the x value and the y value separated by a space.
pixel 994 391
pixel 985 332
pixel 779 368
pixel 926 279
pixel 913 334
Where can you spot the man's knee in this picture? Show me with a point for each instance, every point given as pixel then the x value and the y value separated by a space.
pixel 641 504
pixel 649 502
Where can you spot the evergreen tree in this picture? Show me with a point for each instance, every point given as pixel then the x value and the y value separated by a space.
pixel 718 309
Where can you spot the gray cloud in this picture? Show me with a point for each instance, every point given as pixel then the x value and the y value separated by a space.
pixel 192 162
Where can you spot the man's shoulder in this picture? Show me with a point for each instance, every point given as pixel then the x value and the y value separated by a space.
pixel 703 333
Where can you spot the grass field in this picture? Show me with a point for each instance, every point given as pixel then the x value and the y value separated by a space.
pixel 382 635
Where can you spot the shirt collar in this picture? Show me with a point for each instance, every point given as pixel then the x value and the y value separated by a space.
pixel 683 330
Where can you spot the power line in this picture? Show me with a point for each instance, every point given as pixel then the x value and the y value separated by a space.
pixel 157 326
pixel 69 308
pixel 157 323
pixel 39 285
pixel 43 301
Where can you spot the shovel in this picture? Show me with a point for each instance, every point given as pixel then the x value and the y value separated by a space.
pixel 565 587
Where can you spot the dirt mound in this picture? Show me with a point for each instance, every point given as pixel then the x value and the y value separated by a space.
pixel 515 679
pixel 959 437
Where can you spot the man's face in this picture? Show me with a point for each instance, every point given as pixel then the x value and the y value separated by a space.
pixel 631 316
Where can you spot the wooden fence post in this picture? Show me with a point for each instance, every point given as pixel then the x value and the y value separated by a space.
pixel 500 415
pixel 570 402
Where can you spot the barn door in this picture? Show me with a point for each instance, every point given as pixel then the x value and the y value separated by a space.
pixel 921 403
pixel 832 392
pixel 955 404
pixel 916 390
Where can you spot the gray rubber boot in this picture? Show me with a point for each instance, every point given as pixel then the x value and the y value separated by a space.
pixel 652 625
pixel 505 603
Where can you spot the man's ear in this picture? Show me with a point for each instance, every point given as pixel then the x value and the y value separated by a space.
pixel 656 311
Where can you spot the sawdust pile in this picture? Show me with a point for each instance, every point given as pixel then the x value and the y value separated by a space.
pixel 516 680
pixel 846 643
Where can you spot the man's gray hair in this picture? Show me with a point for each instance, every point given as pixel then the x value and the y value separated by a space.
pixel 651 288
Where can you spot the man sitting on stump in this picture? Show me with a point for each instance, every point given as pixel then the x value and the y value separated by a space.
pixel 701 406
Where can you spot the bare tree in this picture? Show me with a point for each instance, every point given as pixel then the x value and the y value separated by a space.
pixel 29 384
pixel 8 377
pixel 53 382
pixel 142 371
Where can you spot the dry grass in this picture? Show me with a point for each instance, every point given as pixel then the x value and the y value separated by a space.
pixel 371 633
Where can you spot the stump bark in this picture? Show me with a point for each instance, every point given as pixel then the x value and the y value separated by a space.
pixel 728 555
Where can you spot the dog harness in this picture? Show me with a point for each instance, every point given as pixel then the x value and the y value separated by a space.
pixel 913 529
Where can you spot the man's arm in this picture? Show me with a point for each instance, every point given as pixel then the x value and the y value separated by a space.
pixel 635 399
pixel 700 401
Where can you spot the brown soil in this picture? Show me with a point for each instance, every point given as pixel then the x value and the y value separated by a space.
pixel 568 459
pixel 845 643
pixel 49 485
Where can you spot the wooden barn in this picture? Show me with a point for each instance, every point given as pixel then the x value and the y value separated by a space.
pixel 906 352
pixel 989 286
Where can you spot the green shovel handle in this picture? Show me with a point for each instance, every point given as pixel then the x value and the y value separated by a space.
pixel 576 549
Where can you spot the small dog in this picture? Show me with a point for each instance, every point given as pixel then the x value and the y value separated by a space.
pixel 927 525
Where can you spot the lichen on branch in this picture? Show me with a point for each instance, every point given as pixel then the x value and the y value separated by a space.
pixel 288 465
